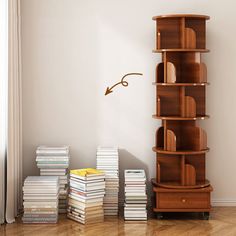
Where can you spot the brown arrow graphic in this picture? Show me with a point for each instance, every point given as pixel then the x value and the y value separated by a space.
pixel 122 82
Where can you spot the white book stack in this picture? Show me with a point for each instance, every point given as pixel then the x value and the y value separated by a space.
pixel 135 195
pixel 54 161
pixel 40 195
pixel 108 162
pixel 87 189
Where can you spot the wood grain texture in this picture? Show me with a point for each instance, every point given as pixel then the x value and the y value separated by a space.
pixel 171 141
pixel 180 32
pixel 160 73
pixel 159 106
pixel 180 152
pixel 188 16
pixel 181 184
pixel 180 118
pixel 181 136
pixel 175 200
pixel 222 222
pixel 199 95
pixel 160 137
pixel 190 175
pixel 170 167
pixel 169 102
pixel 182 163
pixel 177 185
pixel 158 172
pixel 180 50
pixel 199 26
pixel 158 40
pixel 190 38
pixel 181 84
pixel 171 73
pixel 182 101
pixel 170 33
pixel 184 199
pixel 190 107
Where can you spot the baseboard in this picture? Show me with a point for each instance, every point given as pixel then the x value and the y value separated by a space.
pixel 223 202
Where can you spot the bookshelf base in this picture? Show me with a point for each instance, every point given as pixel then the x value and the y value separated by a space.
pixel 182 200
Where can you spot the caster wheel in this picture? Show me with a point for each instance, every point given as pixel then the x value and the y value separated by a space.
pixel 206 215
pixel 159 215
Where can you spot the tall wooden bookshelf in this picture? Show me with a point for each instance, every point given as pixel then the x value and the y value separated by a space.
pixel 181 145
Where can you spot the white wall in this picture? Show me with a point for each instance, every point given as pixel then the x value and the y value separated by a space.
pixel 73 49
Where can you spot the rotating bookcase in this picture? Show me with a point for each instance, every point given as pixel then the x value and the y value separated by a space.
pixel 181 145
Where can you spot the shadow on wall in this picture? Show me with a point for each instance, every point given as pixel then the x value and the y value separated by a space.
pixel 129 161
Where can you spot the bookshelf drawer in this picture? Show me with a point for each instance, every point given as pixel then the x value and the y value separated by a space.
pixel 183 200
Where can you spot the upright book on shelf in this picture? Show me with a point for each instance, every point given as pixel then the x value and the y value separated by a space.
pixel 181 79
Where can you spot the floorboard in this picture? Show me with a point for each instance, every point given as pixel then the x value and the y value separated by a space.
pixel 222 222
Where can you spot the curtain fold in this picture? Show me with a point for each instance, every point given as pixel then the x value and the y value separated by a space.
pixel 14 133
pixel 3 101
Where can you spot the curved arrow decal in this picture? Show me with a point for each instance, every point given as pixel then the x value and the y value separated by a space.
pixel 122 82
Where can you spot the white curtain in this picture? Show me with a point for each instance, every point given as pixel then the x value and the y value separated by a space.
pixel 12 165
pixel 3 101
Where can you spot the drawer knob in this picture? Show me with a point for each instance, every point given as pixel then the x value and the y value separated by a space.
pixel 183 200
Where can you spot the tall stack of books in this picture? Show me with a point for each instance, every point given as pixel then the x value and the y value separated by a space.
pixel 54 161
pixel 108 162
pixel 135 195
pixel 40 195
pixel 86 193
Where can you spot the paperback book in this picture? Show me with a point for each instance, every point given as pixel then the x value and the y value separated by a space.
pixel 54 161
pixel 108 161
pixel 135 195
pixel 86 193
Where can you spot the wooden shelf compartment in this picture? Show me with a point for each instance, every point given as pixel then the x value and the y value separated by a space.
pixel 180 101
pixel 180 171
pixel 180 135
pixel 181 68
pixel 180 32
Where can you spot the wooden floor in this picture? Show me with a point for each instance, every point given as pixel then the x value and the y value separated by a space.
pixel 222 222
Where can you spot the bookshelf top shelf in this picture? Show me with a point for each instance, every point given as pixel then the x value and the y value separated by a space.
pixel 181 16
pixel 179 117
pixel 180 84
pixel 180 152
pixel 180 50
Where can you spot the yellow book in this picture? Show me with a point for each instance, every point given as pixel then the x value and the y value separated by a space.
pixel 87 172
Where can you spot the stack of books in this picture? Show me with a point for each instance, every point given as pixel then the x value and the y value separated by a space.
pixel 86 193
pixel 135 195
pixel 54 161
pixel 108 162
pixel 40 195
